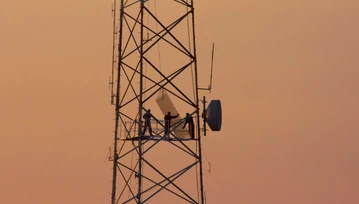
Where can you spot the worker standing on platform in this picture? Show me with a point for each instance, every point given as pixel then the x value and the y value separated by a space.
pixel 147 116
pixel 168 119
pixel 189 121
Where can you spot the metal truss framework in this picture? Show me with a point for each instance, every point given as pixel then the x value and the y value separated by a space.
pixel 130 97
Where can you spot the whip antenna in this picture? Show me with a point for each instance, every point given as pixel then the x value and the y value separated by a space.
pixel 210 78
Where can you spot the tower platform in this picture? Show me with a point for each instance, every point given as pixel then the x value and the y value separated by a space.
pixel 157 138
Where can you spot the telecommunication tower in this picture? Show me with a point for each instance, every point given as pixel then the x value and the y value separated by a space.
pixel 155 73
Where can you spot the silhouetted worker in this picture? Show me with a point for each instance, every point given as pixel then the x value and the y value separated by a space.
pixel 168 119
pixel 189 121
pixel 147 116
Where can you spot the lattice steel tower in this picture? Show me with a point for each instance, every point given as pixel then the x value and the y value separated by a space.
pixel 155 68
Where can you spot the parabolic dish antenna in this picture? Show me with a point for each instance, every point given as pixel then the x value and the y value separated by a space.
pixel 214 115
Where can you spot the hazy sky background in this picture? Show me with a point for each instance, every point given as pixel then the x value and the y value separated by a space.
pixel 286 73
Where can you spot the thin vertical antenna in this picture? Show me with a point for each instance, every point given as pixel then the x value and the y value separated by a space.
pixel 113 50
pixel 210 78
pixel 210 83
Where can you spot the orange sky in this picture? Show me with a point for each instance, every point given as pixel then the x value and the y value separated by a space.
pixel 286 73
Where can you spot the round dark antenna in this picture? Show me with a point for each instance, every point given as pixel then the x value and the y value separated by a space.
pixel 214 115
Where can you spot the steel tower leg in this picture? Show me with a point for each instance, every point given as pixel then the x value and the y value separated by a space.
pixel 117 95
pixel 140 108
